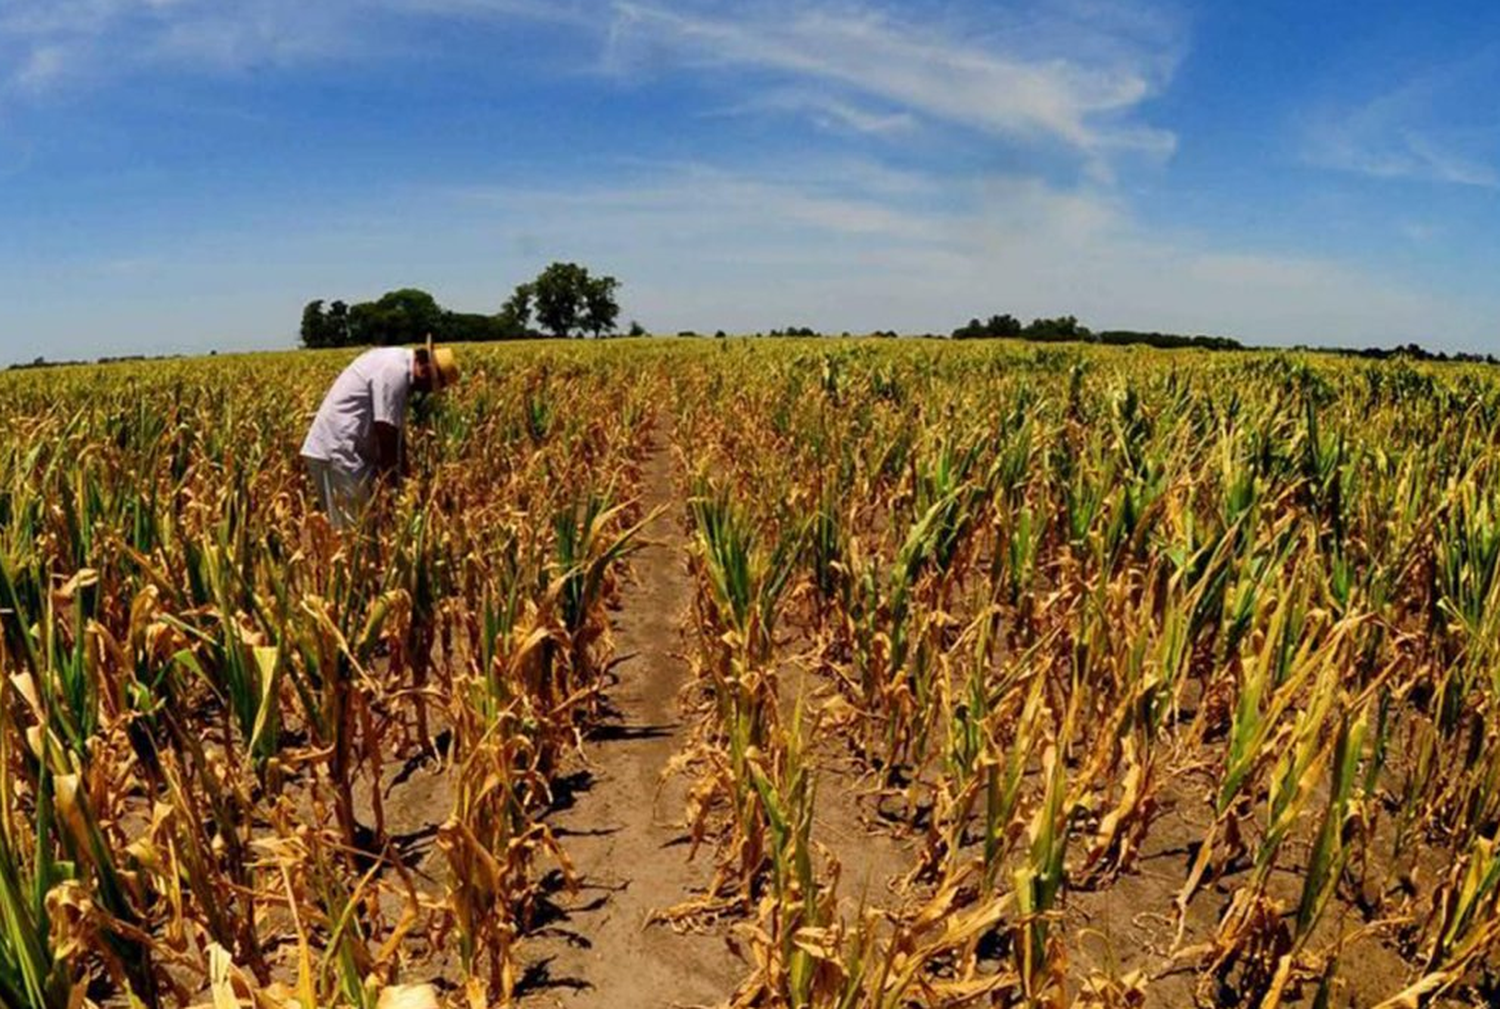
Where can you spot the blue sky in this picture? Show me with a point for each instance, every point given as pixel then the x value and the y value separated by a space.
pixel 183 175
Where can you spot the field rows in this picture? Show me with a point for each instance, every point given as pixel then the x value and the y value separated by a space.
pixel 1156 676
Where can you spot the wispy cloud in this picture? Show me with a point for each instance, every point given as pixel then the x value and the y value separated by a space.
pixel 1401 153
pixel 1046 88
pixel 827 112
pixel 54 44
pixel 857 66
pixel 836 244
pixel 746 249
pixel 40 67
pixel 1439 127
pixel 1419 232
pixel 697 202
pixel 952 74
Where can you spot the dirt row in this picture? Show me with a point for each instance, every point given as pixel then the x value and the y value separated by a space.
pixel 617 820
pixel 620 824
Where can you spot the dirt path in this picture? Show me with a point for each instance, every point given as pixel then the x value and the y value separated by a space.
pixel 622 836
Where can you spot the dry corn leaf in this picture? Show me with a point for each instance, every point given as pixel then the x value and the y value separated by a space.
pixel 408 996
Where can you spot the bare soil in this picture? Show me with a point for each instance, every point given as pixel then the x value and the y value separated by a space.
pixel 619 824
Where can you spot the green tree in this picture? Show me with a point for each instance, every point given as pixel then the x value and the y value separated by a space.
pixel 514 320
pixel 1005 325
pixel 336 326
pixel 314 325
pixel 398 317
pixel 560 291
pixel 566 300
pixel 363 323
pixel 1064 327
pixel 600 310
pixel 404 316
pixel 469 327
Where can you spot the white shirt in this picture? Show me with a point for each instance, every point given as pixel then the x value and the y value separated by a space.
pixel 373 388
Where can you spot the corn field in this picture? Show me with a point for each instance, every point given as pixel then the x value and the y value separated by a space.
pixel 1174 677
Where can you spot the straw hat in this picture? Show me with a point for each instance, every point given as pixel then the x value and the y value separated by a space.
pixel 444 366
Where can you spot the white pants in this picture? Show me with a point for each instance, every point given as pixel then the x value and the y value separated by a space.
pixel 344 494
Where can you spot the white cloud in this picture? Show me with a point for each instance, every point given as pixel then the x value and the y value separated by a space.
pixel 265 32
pixel 41 67
pixel 1419 232
pixel 832 244
pixel 702 247
pixel 838 244
pixel 1439 127
pixel 1399 154
pixel 827 112
pixel 1044 251
pixel 56 43
pixel 947 73
pixel 699 203
pixel 856 65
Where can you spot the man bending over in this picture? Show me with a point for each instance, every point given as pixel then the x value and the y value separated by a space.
pixel 356 438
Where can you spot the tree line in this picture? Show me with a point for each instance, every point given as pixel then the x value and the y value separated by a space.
pixel 564 300
pixel 1066 328
pixel 1409 352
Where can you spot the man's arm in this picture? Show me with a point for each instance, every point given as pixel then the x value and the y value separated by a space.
pixel 387 451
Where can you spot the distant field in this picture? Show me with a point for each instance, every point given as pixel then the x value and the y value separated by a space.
pixel 776 672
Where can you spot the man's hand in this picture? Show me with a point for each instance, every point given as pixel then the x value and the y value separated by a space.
pixel 387 452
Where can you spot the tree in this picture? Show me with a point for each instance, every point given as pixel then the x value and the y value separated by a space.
pixel 1064 327
pixel 972 331
pixel 1005 325
pixel 566 299
pixel 470 327
pixel 404 316
pixel 515 315
pixel 1067 328
pixel 600 309
pixel 336 326
pixel 314 325
pixel 364 322
pixel 560 291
